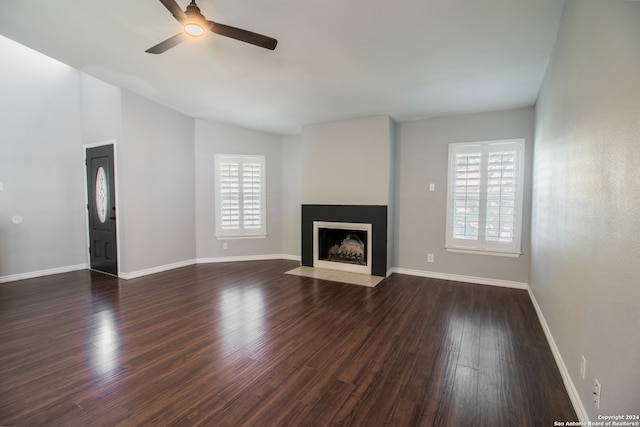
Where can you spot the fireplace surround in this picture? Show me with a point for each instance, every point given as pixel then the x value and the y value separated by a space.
pixel 375 215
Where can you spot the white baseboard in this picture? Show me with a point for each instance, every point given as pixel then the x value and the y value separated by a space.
pixel 40 273
pixel 564 372
pixel 291 257
pixel 247 258
pixel 459 278
pixel 154 270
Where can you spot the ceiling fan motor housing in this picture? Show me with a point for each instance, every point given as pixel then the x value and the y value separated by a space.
pixel 195 23
pixel 193 10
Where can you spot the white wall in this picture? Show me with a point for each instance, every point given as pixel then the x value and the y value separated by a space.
pixel 346 162
pixel 421 224
pixel 214 138
pixel 156 188
pixel 41 163
pixel 585 272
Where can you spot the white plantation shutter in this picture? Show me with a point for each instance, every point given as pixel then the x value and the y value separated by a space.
pixel 229 195
pixel 252 191
pixel 240 195
pixel 484 209
pixel 502 184
pixel 467 195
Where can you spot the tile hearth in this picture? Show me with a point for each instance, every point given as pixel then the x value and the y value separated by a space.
pixel 337 276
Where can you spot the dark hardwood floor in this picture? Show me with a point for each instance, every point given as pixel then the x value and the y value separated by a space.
pixel 245 344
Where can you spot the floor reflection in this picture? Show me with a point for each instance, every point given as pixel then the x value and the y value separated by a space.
pixel 103 330
pixel 242 314
pixel 104 353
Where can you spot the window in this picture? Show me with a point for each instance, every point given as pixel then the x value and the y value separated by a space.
pixel 240 196
pixel 484 200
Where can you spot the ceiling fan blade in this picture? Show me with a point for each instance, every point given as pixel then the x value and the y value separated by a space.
pixel 243 35
pixel 174 8
pixel 167 44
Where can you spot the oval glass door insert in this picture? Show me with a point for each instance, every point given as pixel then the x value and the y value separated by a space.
pixel 102 201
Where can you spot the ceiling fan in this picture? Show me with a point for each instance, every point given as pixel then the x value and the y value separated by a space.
pixel 194 24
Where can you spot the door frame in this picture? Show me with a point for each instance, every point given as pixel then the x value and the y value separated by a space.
pixel 86 199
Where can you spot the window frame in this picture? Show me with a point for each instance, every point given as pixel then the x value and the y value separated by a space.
pixel 242 231
pixel 481 245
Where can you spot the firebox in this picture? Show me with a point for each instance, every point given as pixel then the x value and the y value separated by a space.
pixel 342 246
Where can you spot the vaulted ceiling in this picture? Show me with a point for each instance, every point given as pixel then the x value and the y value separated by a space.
pixel 335 60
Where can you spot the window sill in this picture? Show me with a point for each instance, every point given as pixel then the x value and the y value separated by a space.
pixel 484 252
pixel 257 236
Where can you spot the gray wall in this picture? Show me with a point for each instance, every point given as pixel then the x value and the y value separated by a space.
pixel 421 224
pixel 155 184
pixel 291 193
pixel 156 188
pixel 101 110
pixel 50 110
pixel 346 162
pixel 41 163
pixel 392 207
pixel 214 138
pixel 586 212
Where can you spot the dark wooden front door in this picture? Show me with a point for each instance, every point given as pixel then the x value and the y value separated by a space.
pixel 102 209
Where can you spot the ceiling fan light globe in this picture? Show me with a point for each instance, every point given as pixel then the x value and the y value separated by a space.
pixel 193 29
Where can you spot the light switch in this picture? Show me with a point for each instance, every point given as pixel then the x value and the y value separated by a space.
pixel 432 187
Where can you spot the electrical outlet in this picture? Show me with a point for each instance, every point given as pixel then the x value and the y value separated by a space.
pixel 225 245
pixel 429 257
pixel 583 366
pixel 597 394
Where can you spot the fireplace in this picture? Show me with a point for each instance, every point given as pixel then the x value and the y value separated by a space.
pixel 355 238
pixel 342 246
